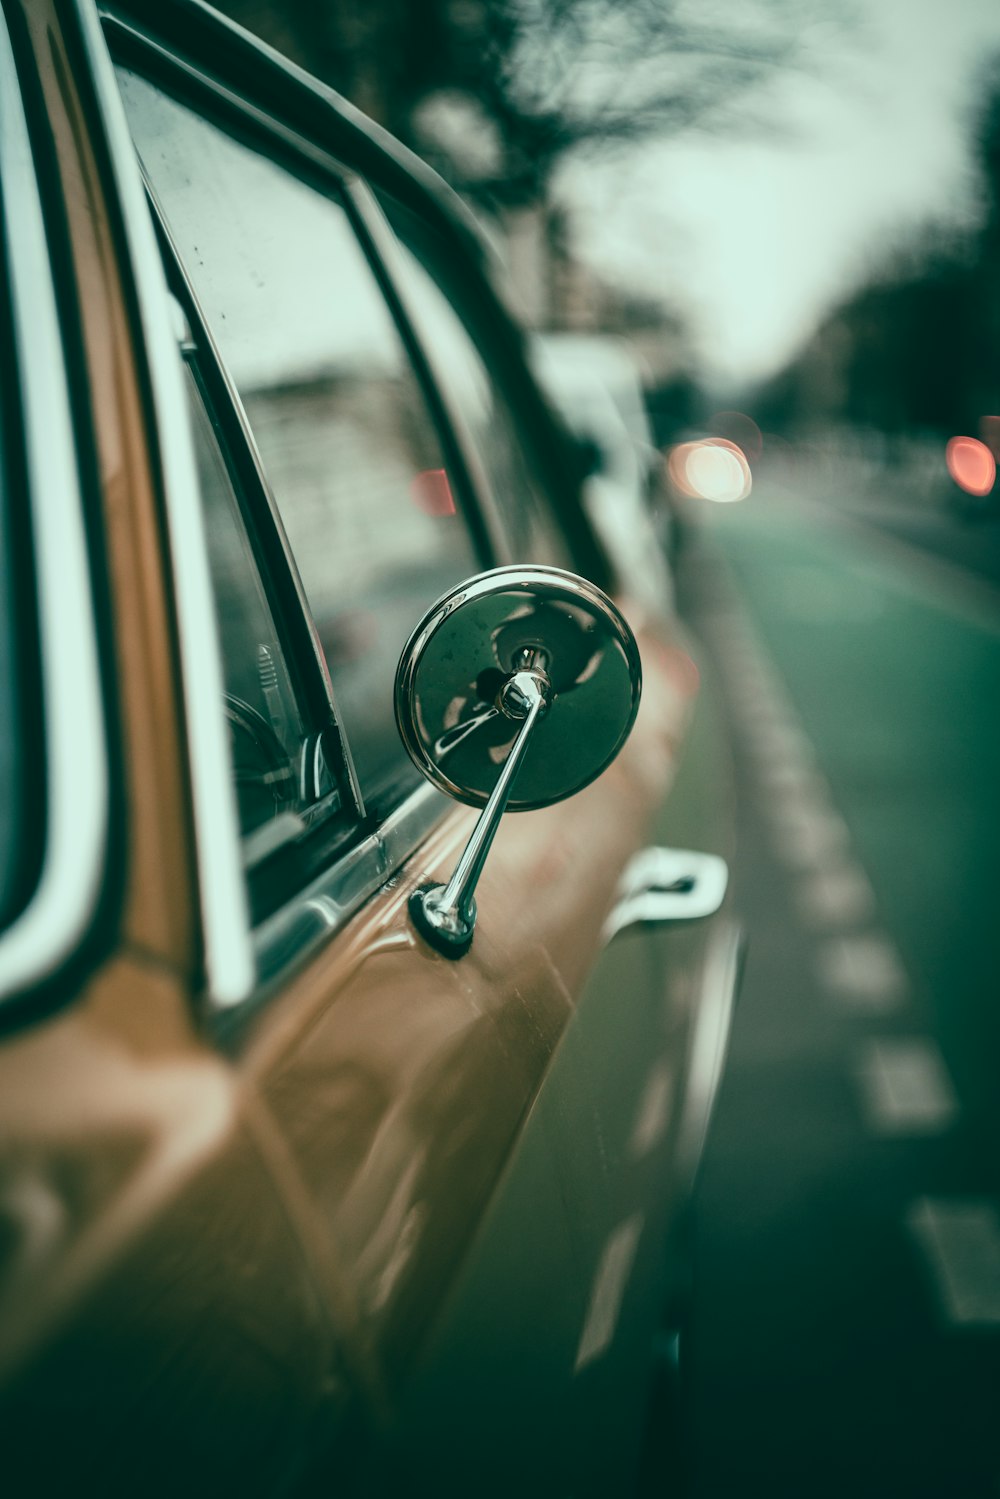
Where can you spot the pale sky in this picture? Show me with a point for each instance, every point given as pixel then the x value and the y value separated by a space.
pixel 755 240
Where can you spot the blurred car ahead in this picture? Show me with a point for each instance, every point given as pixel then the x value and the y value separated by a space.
pixel 595 383
pixel 336 1150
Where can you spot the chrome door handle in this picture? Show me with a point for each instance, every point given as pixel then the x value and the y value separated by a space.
pixel 667 884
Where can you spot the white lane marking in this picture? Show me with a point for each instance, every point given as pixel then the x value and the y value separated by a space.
pixel 804 789
pixel 608 1291
pixel 653 1114
pixel 752 704
pixel 807 837
pixel 777 740
pixel 960 1239
pixel 753 681
pixel 906 1088
pixel 837 895
pixel 864 971
pixel 800 776
pixel 759 715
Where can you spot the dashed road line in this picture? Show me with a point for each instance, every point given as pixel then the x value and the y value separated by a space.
pixel 608 1291
pixel 858 963
pixel 837 895
pixel 863 971
pixel 653 1114
pixel 807 836
pixel 905 1087
pixel 960 1243
pixel 778 739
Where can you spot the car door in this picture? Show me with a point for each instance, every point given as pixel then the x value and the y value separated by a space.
pixel 401 1095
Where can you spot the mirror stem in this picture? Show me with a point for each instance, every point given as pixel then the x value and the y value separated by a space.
pixel 445 915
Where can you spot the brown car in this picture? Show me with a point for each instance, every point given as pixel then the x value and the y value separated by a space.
pixel 345 1128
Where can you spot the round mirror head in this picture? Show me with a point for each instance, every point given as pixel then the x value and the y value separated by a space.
pixel 457 706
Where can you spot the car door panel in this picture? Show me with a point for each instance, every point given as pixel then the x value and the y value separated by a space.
pixel 161 1329
pixel 540 1359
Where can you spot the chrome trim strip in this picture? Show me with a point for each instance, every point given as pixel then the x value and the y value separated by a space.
pixel 720 985
pixel 77 789
pixel 659 886
pixel 229 960
pixel 315 913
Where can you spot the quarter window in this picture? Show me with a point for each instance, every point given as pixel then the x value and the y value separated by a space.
pixel 278 770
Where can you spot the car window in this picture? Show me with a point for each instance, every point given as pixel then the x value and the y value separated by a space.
pixel 489 423
pixel 349 449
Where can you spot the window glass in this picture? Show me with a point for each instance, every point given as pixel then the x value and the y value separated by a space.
pixel 344 435
pixel 273 755
pixel 488 421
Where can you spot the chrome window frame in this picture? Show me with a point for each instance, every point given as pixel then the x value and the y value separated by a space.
pixel 230 969
pixel 77 779
pixel 323 907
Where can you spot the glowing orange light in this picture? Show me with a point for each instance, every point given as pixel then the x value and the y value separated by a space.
pixel 971 465
pixel 431 492
pixel 710 469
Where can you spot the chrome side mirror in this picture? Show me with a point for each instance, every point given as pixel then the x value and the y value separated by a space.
pixel 525 675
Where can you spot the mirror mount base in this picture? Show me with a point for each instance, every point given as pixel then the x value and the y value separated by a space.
pixel 446 931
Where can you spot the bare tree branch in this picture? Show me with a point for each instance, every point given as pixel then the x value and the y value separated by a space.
pixel 547 77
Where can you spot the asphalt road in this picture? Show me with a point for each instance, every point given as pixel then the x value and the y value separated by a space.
pixel 845 1329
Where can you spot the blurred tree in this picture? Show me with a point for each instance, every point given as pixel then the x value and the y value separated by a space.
pixel 918 349
pixel 497 92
